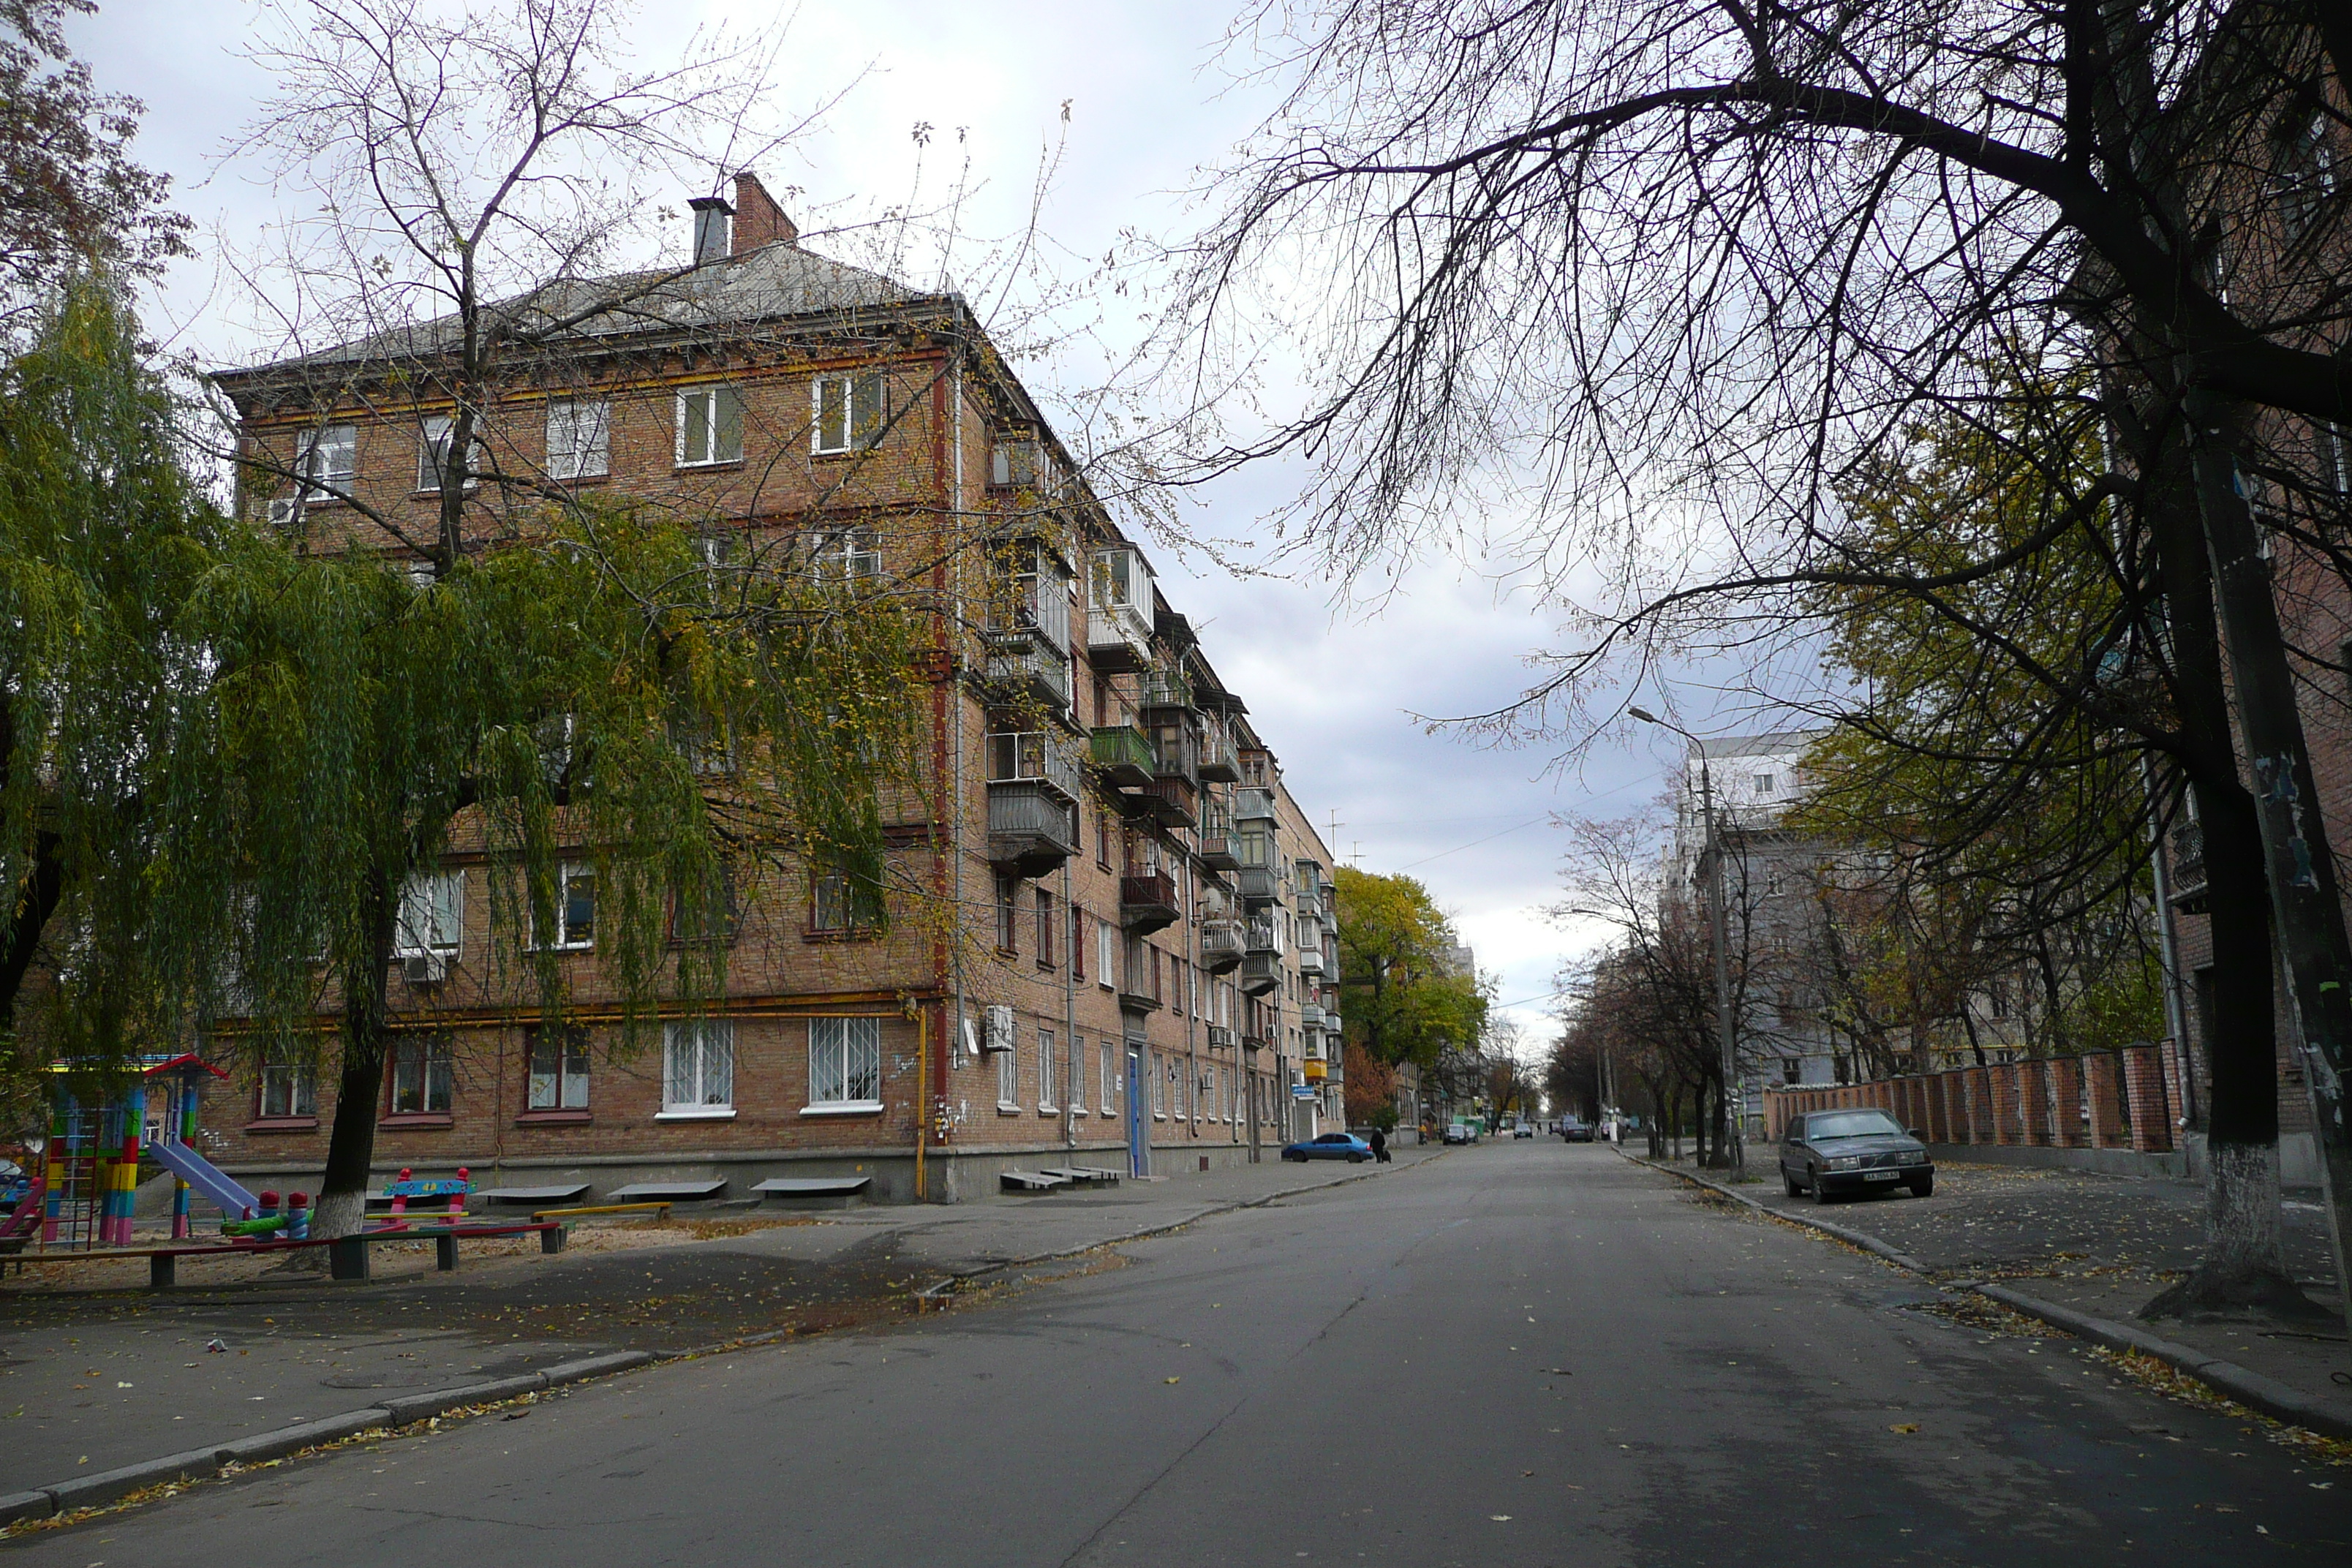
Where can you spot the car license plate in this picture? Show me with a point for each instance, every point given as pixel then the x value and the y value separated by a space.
pixel 1880 1175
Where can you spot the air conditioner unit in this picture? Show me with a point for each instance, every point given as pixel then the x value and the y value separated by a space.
pixel 424 968
pixel 284 513
pixel 996 1028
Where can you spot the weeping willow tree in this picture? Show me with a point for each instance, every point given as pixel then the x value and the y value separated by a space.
pixel 597 695
pixel 102 539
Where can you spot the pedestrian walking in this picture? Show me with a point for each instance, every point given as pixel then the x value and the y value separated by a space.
pixel 1380 1146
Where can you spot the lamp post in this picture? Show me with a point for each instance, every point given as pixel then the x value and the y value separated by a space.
pixel 1735 1098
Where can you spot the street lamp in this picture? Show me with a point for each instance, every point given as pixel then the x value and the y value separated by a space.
pixel 1732 1113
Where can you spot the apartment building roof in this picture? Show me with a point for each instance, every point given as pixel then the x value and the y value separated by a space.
pixel 774 282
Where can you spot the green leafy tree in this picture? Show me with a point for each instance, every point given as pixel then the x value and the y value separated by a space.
pixel 1401 993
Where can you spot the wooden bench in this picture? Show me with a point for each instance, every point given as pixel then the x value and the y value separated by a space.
pixel 816 1192
pixel 1031 1182
pixel 347 1256
pixel 659 1211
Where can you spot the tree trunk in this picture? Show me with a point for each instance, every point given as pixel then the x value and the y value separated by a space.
pixel 341 1206
pixel 2243 1260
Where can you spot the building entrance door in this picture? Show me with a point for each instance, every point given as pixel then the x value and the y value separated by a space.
pixel 1138 1139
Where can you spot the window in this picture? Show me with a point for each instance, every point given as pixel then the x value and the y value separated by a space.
pixel 421 1076
pixel 1109 1074
pixel 1102 837
pixel 706 918
pixel 1765 784
pixel 1012 462
pixel 1044 929
pixel 845 1064
pixel 847 412
pixel 559 1069
pixel 1045 1069
pixel 433 453
pixel 579 437
pixel 290 1086
pixel 1077 1094
pixel 329 456
pixel 1008 920
pixel 1008 1076
pixel 1792 1070
pixel 1159 1092
pixel 1078 943
pixel 839 902
pixel 1107 954
pixel 576 908
pixel 845 555
pixel 699 1067
pixel 432 913
pixel 710 426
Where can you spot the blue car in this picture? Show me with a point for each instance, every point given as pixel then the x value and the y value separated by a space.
pixel 1330 1146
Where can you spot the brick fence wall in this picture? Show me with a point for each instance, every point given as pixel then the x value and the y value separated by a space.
pixel 2101 1100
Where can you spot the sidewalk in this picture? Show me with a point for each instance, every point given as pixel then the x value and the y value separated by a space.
pixel 104 1375
pixel 2097 1246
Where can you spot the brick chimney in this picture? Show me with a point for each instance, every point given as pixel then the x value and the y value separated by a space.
pixel 758 219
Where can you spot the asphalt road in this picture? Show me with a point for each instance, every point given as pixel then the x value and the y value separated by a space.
pixel 1521 1353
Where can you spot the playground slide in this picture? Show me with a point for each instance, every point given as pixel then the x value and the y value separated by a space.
pixel 219 1190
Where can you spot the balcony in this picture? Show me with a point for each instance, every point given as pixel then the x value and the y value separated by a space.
pixel 1222 945
pixel 1147 902
pixel 1166 689
pixel 1033 756
pixel 1264 936
pixel 1258 884
pixel 1171 801
pixel 1310 1015
pixel 2187 846
pixel 1032 827
pixel 1331 1027
pixel 1119 618
pixel 1261 973
pixel 1124 755
pixel 1024 664
pixel 1310 959
pixel 1219 764
pixel 1254 805
pixel 1220 849
pixel 1314 1070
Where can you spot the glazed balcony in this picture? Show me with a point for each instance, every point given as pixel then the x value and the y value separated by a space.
pixel 1223 943
pixel 1118 612
pixel 1310 1015
pixel 1254 803
pixel 1124 755
pixel 1310 959
pixel 1033 756
pixel 1147 902
pixel 1219 762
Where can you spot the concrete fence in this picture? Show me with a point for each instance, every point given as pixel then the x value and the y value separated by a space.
pixel 2124 1100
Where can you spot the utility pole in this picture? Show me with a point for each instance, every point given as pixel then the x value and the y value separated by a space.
pixel 1734 1099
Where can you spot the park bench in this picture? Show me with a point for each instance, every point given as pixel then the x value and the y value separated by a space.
pixel 816 1192
pixel 669 1192
pixel 347 1256
pixel 1031 1180
pixel 1085 1175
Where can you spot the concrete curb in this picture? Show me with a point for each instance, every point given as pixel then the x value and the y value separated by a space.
pixel 203 1464
pixel 2250 1388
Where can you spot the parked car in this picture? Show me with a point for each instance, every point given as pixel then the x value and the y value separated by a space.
pixel 1571 1131
pixel 1826 1152
pixel 1460 1132
pixel 1330 1146
pixel 1523 1131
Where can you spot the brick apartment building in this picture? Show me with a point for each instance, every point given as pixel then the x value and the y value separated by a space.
pixel 1123 951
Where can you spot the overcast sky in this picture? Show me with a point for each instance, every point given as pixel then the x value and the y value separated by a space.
pixel 1151 99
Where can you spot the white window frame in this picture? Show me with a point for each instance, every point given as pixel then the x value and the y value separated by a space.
pixel 1008 1074
pixel 585 427
pixel 435 1069
pixel 565 939
pixel 433 437
pixel 432 917
pixel 712 399
pixel 1110 1074
pixel 1107 954
pixel 709 1080
pixel 340 447
pixel 1046 1072
pixel 844 1054
pixel 846 554
pixel 1159 1090
pixel 836 425
pixel 1078 1075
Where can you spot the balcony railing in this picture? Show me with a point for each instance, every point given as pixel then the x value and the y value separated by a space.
pixel 1253 804
pixel 1147 902
pixel 1259 884
pixel 1219 764
pixel 1124 755
pixel 1264 936
pixel 1166 689
pixel 1222 945
pixel 1310 1015
pixel 1172 802
pixel 1029 666
pixel 1261 973
pixel 1310 959
pixel 2188 842
pixel 1033 756
pixel 1031 827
